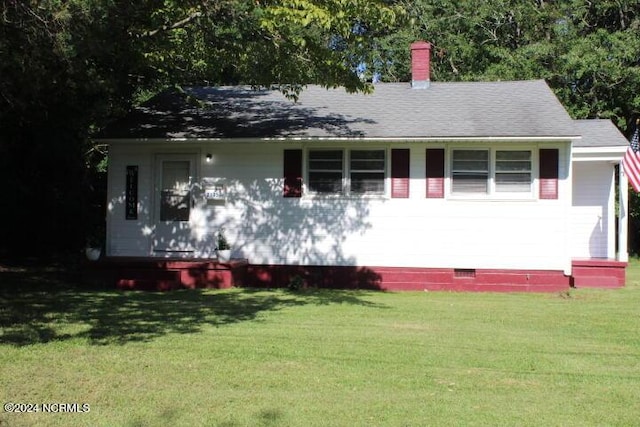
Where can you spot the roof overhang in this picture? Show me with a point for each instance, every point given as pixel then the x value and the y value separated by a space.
pixel 600 154
pixel 564 138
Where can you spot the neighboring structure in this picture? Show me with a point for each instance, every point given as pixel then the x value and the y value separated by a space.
pixel 429 185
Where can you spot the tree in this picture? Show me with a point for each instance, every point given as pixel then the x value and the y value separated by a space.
pixel 70 66
pixel 587 51
pixel 599 73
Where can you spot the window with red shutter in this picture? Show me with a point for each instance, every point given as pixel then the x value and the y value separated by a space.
pixel 333 171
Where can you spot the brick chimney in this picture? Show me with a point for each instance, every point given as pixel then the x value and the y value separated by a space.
pixel 420 64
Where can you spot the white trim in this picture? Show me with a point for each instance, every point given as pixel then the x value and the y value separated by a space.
pixel 160 227
pixel 565 196
pixel 610 149
pixel 479 138
pixel 592 154
pixel 623 216
pixel 611 216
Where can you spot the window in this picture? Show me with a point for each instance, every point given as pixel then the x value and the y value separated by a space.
pixel 491 171
pixel 367 171
pixel 470 171
pixel 364 173
pixel 175 197
pixel 325 171
pixel 513 171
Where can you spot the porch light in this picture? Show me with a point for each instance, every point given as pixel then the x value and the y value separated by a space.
pixel 209 157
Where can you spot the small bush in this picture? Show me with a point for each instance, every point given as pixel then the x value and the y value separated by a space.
pixel 296 283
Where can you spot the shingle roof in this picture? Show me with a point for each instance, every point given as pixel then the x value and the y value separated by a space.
pixel 394 110
pixel 599 133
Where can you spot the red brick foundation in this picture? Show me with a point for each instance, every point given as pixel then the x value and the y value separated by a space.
pixel 408 279
pixel 168 274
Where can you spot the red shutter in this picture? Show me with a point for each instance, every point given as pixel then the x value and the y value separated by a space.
pixel 435 173
pixel 549 161
pixel 400 173
pixel 292 173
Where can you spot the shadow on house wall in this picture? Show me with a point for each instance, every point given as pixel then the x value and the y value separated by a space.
pixel 277 235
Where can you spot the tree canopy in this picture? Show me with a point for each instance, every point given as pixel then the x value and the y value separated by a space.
pixel 69 66
pixel 589 52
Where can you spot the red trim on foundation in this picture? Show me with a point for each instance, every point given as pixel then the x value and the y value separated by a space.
pixel 168 274
pixel 598 273
pixel 408 279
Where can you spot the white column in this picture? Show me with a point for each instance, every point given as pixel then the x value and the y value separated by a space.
pixel 623 216
pixel 611 214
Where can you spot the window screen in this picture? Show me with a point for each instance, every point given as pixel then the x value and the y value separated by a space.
pixel 470 171
pixel 513 171
pixel 325 171
pixel 367 171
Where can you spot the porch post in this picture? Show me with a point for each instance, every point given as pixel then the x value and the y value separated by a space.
pixel 623 217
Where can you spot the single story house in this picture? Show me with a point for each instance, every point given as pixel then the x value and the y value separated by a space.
pixel 428 185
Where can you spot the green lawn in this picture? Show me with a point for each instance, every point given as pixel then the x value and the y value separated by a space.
pixel 246 358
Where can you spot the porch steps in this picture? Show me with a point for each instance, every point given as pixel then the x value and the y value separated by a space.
pixel 596 282
pixel 168 274
pixel 598 273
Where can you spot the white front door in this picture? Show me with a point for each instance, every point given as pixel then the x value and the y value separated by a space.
pixel 174 178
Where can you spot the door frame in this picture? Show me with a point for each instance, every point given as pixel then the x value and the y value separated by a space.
pixel 157 225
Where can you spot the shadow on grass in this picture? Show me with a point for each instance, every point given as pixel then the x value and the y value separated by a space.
pixel 40 305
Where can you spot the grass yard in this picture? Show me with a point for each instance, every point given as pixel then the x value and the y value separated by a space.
pixel 343 358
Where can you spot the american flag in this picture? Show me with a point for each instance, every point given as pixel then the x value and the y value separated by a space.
pixel 631 161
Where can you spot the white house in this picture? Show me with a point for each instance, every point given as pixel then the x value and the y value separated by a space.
pixel 428 185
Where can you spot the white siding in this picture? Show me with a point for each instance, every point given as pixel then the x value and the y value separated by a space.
pixel 267 228
pixel 128 237
pixel 593 221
